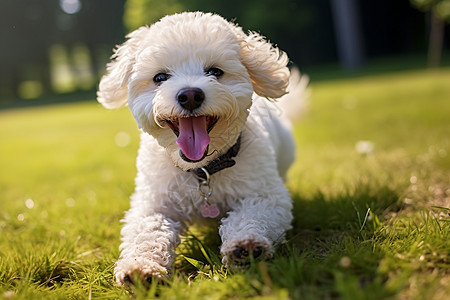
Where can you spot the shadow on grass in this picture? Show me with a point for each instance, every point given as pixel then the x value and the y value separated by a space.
pixel 346 212
pixel 330 252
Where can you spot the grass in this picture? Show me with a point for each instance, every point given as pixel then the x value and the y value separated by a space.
pixel 372 224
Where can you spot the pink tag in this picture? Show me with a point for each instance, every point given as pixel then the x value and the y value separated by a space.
pixel 209 210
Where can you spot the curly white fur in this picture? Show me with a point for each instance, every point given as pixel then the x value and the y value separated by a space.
pixel 255 206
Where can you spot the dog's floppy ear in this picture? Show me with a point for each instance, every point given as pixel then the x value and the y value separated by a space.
pixel 113 91
pixel 265 64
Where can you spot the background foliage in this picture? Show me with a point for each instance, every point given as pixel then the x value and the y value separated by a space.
pixel 61 46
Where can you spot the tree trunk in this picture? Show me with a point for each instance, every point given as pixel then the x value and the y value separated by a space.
pixel 348 33
pixel 436 41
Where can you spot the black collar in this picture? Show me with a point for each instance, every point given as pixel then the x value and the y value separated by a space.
pixel 222 162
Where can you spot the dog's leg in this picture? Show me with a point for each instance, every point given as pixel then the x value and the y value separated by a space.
pixel 253 227
pixel 147 249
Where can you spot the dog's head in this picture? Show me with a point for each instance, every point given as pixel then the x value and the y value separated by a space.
pixel 189 79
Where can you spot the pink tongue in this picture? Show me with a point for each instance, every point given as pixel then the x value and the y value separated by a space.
pixel 193 138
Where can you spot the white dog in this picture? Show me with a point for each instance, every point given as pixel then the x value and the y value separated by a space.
pixel 210 148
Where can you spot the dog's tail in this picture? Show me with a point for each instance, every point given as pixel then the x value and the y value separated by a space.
pixel 294 103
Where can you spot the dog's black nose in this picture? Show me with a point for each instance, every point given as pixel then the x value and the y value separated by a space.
pixel 190 98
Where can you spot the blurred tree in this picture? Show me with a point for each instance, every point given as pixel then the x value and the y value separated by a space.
pixel 346 18
pixel 26 31
pixel 29 28
pixel 303 28
pixel 440 13
pixel 141 12
pixel 97 26
pixel 289 23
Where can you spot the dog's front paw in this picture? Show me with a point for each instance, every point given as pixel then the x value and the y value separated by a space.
pixel 145 270
pixel 242 252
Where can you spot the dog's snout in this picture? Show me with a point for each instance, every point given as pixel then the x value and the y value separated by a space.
pixel 190 98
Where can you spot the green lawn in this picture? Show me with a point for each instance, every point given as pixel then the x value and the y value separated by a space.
pixel 371 187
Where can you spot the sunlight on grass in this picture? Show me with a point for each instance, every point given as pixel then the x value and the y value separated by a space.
pixel 370 189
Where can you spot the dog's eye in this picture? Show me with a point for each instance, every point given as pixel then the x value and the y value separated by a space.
pixel 216 72
pixel 160 77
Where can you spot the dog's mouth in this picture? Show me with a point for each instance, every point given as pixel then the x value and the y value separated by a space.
pixel 192 135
